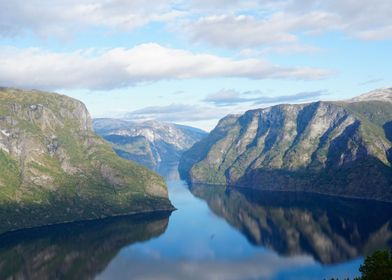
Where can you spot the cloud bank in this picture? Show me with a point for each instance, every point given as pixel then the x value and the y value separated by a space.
pixel 177 113
pixel 222 101
pixel 282 23
pixel 262 21
pixel 232 97
pixel 61 18
pixel 122 67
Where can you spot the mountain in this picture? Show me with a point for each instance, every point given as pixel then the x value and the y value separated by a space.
pixel 331 229
pixel 79 250
pixel 54 168
pixel 376 95
pixel 153 144
pixel 340 148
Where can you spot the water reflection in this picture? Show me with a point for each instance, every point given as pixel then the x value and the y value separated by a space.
pixel 330 229
pixel 73 251
pixel 274 236
pixel 169 171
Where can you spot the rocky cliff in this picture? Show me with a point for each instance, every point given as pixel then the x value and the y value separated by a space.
pixel 54 168
pixel 340 148
pixel 156 145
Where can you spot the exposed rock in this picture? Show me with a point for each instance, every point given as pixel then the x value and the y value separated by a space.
pixel 153 144
pixel 340 148
pixel 384 94
pixel 50 159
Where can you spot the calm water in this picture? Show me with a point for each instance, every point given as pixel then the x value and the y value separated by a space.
pixel 216 233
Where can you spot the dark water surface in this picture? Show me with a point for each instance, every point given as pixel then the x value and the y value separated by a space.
pixel 216 233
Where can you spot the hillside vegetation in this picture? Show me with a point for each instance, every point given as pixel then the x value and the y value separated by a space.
pixel 340 148
pixel 54 168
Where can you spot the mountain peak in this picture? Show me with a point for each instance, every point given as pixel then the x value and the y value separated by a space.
pixel 383 94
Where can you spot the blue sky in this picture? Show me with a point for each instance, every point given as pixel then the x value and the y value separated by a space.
pixel 192 62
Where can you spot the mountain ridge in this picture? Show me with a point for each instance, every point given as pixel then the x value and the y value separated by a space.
pixel 341 146
pixel 383 94
pixel 151 143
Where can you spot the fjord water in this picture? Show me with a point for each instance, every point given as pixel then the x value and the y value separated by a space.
pixel 216 233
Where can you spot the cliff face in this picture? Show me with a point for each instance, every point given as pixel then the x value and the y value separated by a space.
pixel 54 168
pixel 341 148
pixel 153 144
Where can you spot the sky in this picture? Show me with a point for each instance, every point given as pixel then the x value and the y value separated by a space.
pixel 193 62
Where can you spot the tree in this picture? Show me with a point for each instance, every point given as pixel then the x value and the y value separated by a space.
pixel 377 266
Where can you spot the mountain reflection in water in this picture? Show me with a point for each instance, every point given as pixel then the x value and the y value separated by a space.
pixel 217 233
pixel 76 250
pixel 331 229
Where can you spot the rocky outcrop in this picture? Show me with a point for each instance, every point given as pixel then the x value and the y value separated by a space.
pixel 156 145
pixel 340 148
pixel 54 168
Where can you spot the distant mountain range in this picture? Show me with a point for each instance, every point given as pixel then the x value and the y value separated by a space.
pixel 54 168
pixel 340 148
pixel 156 145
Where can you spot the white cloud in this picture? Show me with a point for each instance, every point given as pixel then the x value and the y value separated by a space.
pixel 225 97
pixel 178 113
pixel 245 31
pixel 280 25
pixel 271 20
pixel 229 6
pixel 64 17
pixel 229 97
pixel 282 49
pixel 369 20
pixel 122 67
pixel 224 103
pixel 263 25
pixel 250 31
pixel 376 34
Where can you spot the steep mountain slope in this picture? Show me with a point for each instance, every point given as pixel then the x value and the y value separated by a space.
pixel 153 144
pixel 54 168
pixel 340 148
